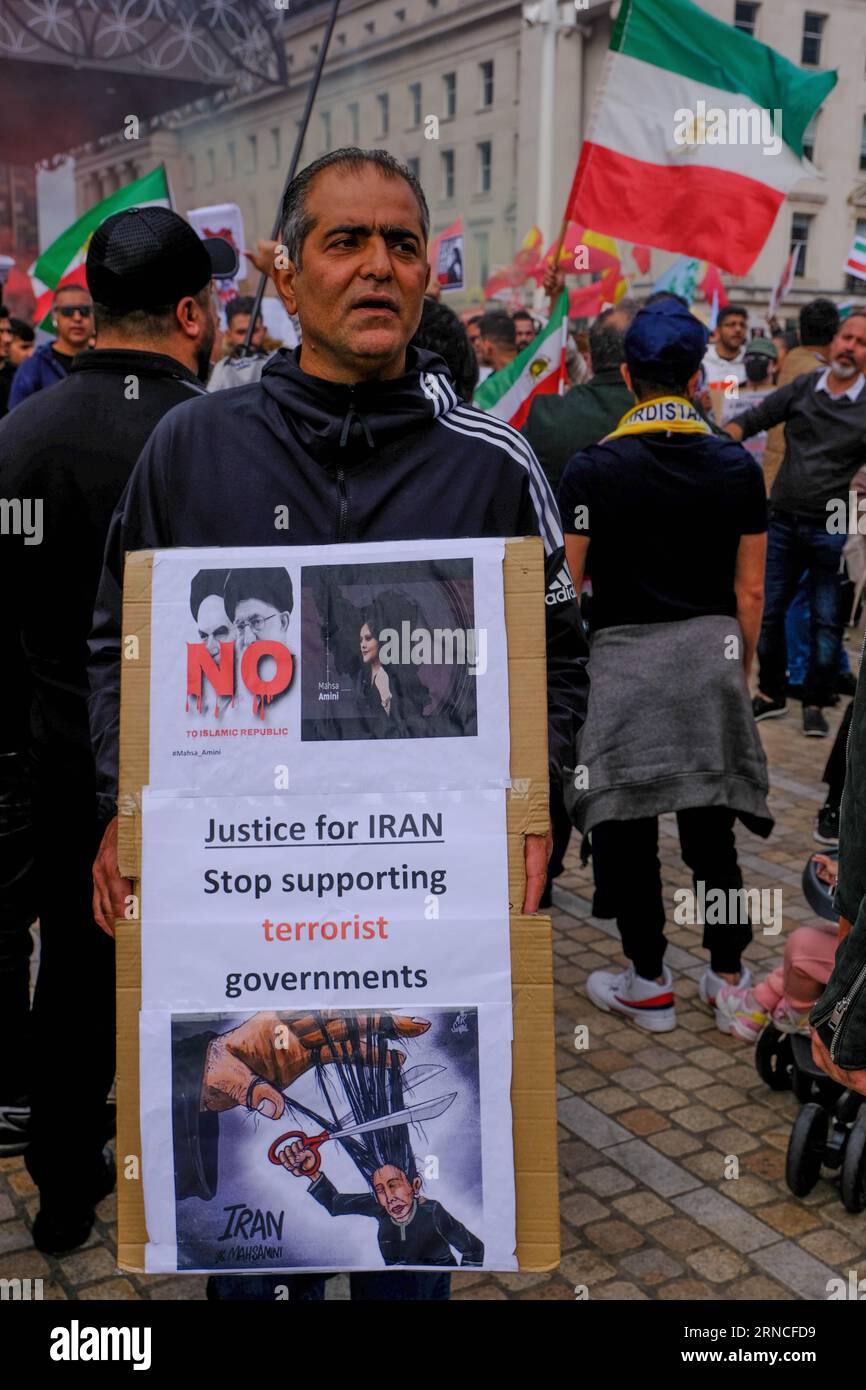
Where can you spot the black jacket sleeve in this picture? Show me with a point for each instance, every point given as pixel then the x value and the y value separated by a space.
pixel 196 1131
pixel 342 1203
pixel 460 1238
pixel 772 411
pixel 140 522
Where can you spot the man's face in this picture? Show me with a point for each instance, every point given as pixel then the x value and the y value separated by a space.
pixel 732 332
pixel 395 1192
pixel 360 288
pixel 236 333
pixel 19 350
pixel 73 319
pixel 213 624
pixel 848 348
pixel 256 620
pixel 473 332
pixel 524 333
pixel 5 339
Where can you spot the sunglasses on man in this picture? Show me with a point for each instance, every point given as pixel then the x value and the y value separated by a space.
pixel 67 311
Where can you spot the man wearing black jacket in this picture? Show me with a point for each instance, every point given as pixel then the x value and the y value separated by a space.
pixel 66 456
pixel 360 436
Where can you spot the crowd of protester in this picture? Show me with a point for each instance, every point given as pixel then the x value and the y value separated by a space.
pixel 662 454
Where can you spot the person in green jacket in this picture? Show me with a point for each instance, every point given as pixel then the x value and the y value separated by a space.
pixel 560 426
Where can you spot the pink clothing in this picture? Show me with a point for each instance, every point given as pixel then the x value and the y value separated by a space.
pixel 808 964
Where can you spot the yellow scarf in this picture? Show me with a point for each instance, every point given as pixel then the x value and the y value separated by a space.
pixel 670 413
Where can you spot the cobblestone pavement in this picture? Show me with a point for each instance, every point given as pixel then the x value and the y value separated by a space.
pixel 646 1122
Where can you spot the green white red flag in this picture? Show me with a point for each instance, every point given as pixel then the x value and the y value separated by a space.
pixel 856 262
pixel 696 136
pixel 539 370
pixel 62 263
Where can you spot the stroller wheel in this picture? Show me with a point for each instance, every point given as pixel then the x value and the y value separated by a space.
pixel 773 1058
pixel 806 1149
pixel 854 1166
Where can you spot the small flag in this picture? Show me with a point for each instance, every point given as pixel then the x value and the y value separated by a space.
pixel 63 261
pixel 539 370
pixel 783 287
pixel 714 312
pixel 856 262
pixel 680 278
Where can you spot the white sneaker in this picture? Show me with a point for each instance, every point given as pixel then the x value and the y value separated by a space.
pixel 708 987
pixel 650 1005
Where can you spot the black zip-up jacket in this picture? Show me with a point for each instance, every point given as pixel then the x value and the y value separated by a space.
pixel 425 1239
pixel 378 461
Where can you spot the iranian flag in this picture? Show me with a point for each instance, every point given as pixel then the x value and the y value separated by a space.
pixel 696 136
pixel 63 261
pixel 539 370
pixel 856 262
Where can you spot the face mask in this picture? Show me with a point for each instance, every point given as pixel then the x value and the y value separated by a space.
pixel 757 367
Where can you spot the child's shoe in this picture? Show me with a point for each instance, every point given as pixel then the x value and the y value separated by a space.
pixel 738 1012
pixel 790 1020
pixel 651 1006
pixel 710 983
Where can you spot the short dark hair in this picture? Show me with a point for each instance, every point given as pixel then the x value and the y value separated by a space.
pixel 20 329
pixel 732 311
pixel 522 314
pixel 498 327
pixel 441 331
pixel 819 322
pixel 606 340
pixel 272 585
pixel 141 323
pixel 295 221
pixel 79 289
pixel 241 304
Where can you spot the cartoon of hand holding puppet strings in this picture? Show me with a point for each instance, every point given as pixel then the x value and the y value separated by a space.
pixel 253 1064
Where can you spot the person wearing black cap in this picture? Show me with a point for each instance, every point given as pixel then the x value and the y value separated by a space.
pixel 674 520
pixel 73 448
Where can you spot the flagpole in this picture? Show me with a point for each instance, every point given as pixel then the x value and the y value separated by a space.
pixel 299 144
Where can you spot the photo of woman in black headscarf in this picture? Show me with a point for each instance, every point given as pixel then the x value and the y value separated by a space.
pixel 388 690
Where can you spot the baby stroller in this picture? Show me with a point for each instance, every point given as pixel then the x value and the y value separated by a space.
pixel 830 1130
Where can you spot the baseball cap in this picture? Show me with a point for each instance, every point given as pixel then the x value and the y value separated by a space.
pixel 146 258
pixel 762 347
pixel 665 343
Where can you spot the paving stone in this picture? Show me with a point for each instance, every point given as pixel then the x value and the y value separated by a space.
pixel 652 1266
pixel 796 1269
pixel 637 1079
pixel 656 1058
pixel 790 1218
pixel 485 1293
pixel 674 1142
pixel 643 1121
pixel 642 1208
pixel 609 1059
pixel 586 1267
pixel 580 1208
pixel 748 1191
pixel 696 1118
pixel 710 1058
pixel 520 1280
pixel 831 1246
pixel 589 1124
pixel 659 1173
pixel 14 1235
pixel 7 1207
pixel 187 1288
pixel 581 1078
pixel 619 1290
pixel 22 1184
pixel 551 1290
pixel 575 1157
pixel 681 1235
pixel 605 1182
pixel 717 1263
pixel 753 1118
pixel 687 1290
pixel 613 1237
pixel 24 1264
pixel 757 1289
pixel 707 1165
pixel 665 1098
pixel 719 1096
pixel 725 1219
pixel 611 1100
pixel 732 1140
pixel 88 1265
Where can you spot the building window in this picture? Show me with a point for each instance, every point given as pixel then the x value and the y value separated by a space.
pixel 809 138
pixel 801 225
pixel 813 29
pixel 853 283
pixel 414 103
pixel 485 165
pixel 863 144
pixel 447 173
pixel 190 171
pixel 210 167
pixel 486 72
pixel 745 17
pixel 252 153
pixel 275 147
pixel 413 164
pixel 231 159
pixel 326 131
pixel 482 252
pixel 384 112
pixel 449 95
pixel 354 122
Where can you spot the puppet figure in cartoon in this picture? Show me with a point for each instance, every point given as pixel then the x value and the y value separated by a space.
pixel 412 1229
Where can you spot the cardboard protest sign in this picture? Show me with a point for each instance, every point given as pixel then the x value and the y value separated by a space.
pixel 222 1195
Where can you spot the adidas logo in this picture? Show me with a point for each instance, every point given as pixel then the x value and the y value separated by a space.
pixel 561 589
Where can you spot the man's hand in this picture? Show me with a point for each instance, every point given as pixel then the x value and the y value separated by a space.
pixel 262 259
pixel 252 1065
pixel 110 890
pixel 734 430
pixel 297 1159
pixel 553 281
pixel 537 850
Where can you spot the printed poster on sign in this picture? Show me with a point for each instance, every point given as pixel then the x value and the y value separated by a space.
pixel 329 1140
pixel 266 661
pixel 449 267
